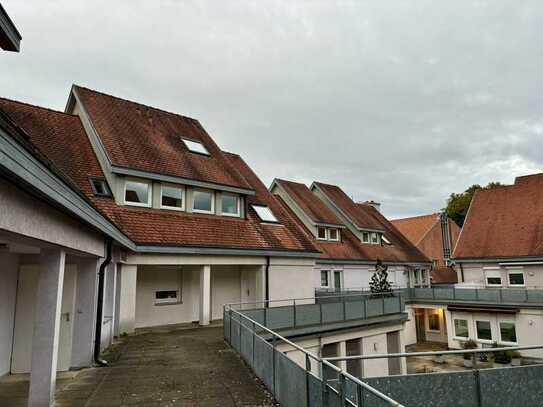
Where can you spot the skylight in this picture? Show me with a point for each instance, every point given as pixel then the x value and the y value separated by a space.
pixel 265 214
pixel 384 239
pixel 195 146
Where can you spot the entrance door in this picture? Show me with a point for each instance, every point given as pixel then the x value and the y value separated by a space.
pixel 24 319
pixel 338 280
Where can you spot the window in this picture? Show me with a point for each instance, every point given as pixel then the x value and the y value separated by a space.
pixel 493 277
pixel 365 237
pixel 433 322
pixel 321 233
pixel 461 328
pixel 374 238
pixel 229 204
pixel 203 201
pixel 333 234
pixel 484 331
pixel 167 297
pixel 172 197
pixel 100 187
pixel 137 193
pixel 324 278
pixel 195 146
pixel 385 240
pixel 508 332
pixel 516 278
pixel 435 262
pixel 265 214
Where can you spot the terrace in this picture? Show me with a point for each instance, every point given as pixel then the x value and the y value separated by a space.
pixel 257 333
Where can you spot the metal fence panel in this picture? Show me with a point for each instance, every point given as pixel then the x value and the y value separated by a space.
pixel 235 332
pixel 512 295
pixel 307 314
pixel 255 314
pixel 489 295
pixel 444 293
pixel 430 390
pixel 280 317
pixel 263 362
pixel 315 391
pixel 332 312
pixel 246 342
pixel 423 293
pixel 391 305
pixel 511 387
pixel 226 325
pixel 355 310
pixel 290 382
pixel 374 307
pixel 466 294
pixel 535 295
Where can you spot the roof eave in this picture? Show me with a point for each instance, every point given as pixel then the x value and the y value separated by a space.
pixel 10 38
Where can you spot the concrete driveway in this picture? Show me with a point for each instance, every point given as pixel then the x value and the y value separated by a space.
pixel 172 366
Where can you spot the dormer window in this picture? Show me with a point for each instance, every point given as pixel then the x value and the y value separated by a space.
pixel 99 186
pixel 333 234
pixel 195 146
pixel 137 193
pixel 230 204
pixel 203 201
pixel 374 238
pixel 265 214
pixel 321 233
pixel 365 237
pixel 172 197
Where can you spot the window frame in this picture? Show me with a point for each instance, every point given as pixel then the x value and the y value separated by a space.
pixel 205 152
pixel 274 222
pixel 107 194
pixel 327 272
pixel 500 322
pixel 319 228
pixel 238 205
pixel 330 234
pixel 368 235
pixel 376 235
pixel 477 331
pixel 183 197
pixel 519 270
pixel 493 270
pixel 209 191
pixel 149 193
pixel 455 336
pixel 168 301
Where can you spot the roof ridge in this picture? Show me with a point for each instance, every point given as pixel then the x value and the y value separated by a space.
pixel 37 106
pixel 136 103
pixel 415 217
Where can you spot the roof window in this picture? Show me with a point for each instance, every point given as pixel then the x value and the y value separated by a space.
pixel 99 186
pixel 265 214
pixel 195 146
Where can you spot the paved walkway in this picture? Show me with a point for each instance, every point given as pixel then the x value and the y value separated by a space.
pixel 181 366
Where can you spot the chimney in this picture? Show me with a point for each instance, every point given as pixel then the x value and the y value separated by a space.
pixel 376 205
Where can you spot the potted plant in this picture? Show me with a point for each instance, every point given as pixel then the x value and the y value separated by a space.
pixel 501 358
pixel 469 344
pixel 516 359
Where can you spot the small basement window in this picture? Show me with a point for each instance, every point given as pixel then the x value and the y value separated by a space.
pixel 167 297
pixel 265 214
pixel 99 186
pixel 195 146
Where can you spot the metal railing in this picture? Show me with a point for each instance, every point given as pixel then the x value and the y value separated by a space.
pixel 303 312
pixel 481 388
pixel 487 295
pixel 291 384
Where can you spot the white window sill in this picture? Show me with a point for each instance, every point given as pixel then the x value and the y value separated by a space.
pixel 231 215
pixel 140 205
pixel 172 208
pixel 160 304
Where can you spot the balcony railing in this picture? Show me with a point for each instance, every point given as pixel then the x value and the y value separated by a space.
pixel 506 296
pixel 291 384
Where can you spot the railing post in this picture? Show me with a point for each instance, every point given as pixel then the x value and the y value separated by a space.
pixel 341 389
pixel 274 343
pixel 230 320
pixel 320 312
pixel 294 312
pixel 360 395
pixel 324 385
pixel 254 334
pixel 307 379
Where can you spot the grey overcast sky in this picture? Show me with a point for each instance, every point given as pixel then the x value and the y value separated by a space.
pixel 399 101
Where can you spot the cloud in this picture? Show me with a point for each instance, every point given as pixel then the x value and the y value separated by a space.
pixel 400 102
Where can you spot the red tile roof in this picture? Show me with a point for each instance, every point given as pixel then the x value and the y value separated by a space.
pixel 504 222
pixel 358 214
pixel 62 139
pixel 417 227
pixel 313 207
pixel 140 137
pixel 351 249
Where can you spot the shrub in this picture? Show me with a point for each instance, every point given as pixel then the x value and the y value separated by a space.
pixel 469 344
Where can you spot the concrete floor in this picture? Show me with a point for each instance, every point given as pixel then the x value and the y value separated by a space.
pixel 175 366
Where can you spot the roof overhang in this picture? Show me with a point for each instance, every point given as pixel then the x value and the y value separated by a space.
pixel 369 262
pixel 157 249
pixel 509 261
pixel 10 39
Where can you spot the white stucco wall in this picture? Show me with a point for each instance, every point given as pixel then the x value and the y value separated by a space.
pixel 8 290
pixel 358 276
pixel 410 329
pixel 291 278
pixel 25 215
pixel 474 273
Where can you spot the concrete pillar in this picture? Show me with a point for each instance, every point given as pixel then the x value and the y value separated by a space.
pixel 109 305
pixel 205 294
pixel 342 351
pixel 85 312
pixel 46 328
pixel 127 305
pixel 117 308
pixel 8 295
